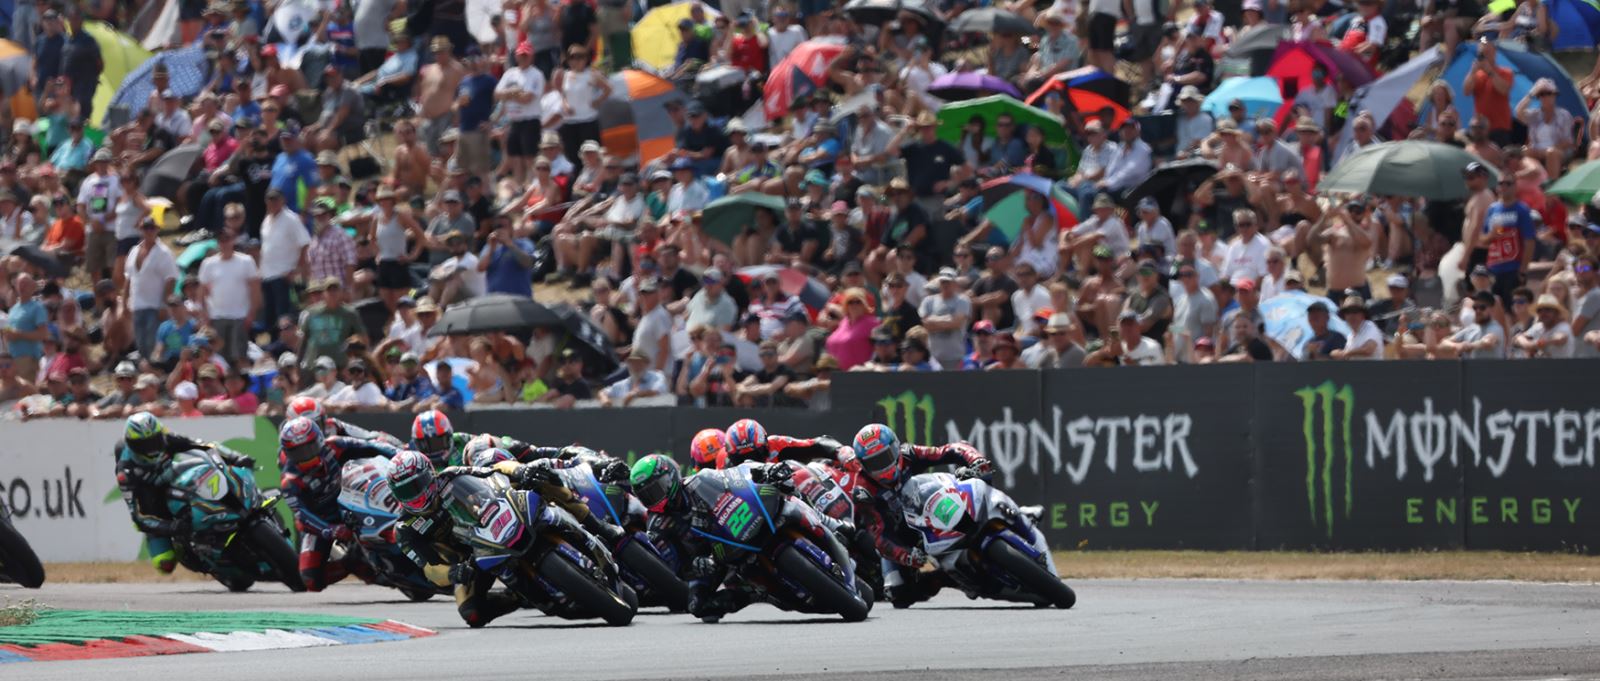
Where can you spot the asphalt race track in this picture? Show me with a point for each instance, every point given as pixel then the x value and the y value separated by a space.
pixel 1189 629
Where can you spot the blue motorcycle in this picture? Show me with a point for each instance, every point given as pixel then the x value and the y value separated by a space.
pixel 650 569
pixel 369 509
pixel 235 534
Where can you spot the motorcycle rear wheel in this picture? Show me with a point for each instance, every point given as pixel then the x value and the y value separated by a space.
pixel 827 592
pixel 1034 575
pixel 18 560
pixel 654 572
pixel 417 595
pixel 270 546
pixel 585 591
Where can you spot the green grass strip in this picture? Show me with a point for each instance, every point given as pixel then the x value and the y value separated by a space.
pixel 78 626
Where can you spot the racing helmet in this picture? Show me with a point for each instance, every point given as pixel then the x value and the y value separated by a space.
pixel 475 447
pixel 746 438
pixel 430 434
pixel 301 440
pixel 146 437
pixel 413 483
pixel 487 457
pixel 656 479
pixel 709 448
pixel 310 408
pixel 877 451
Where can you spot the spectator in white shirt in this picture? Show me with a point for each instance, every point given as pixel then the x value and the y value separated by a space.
pixel 231 288
pixel 1131 163
pixel 1153 228
pixel 148 276
pixel 328 383
pixel 172 117
pixel 519 91
pixel 1366 340
pixel 641 381
pixel 284 242
pixel 362 394
pixel 782 37
pixel 1551 336
pixel 1093 163
pixel 1030 297
pixel 1194 125
pixel 457 278
pixel 1247 251
pixel 1363 133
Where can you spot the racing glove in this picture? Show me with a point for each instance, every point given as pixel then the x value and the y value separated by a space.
pixel 776 474
pixel 463 572
pixel 340 533
pixel 702 567
pixel 917 557
pixel 535 473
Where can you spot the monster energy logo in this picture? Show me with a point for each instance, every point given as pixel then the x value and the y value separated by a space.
pixel 917 412
pixel 1318 402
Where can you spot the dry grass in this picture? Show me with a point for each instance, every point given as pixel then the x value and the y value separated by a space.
pixel 1274 565
pixel 17 613
pixel 114 573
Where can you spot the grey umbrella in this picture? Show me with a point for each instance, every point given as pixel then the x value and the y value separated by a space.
pixel 1412 168
pixel 495 312
pixel 170 171
pixel 992 20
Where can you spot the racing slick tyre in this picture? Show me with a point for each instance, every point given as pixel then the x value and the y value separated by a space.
pixel 1034 575
pixel 237 585
pixel 585 591
pixel 269 545
pixel 673 591
pixel 17 559
pixel 417 595
pixel 827 592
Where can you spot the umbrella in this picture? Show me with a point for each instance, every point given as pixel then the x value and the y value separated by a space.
pixel 1261 97
pixel 992 20
pixel 722 89
pixel 1579 185
pixel 655 37
pixel 16 68
pixel 812 293
pixel 171 170
pixel 120 56
pixel 1284 316
pixel 1405 85
pixel 480 14
pixel 1089 90
pixel 1170 181
pixel 1250 54
pixel 1413 168
pixel 634 119
pixel 588 339
pixel 953 87
pixel 33 255
pixel 878 12
pixel 188 71
pixel 728 216
pixel 1579 21
pixel 1526 68
pixel 1293 62
pixel 953 116
pixel 494 312
pixel 1005 204
pixel 799 74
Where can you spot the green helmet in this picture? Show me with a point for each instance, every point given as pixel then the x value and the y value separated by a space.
pixel 656 481
pixel 145 436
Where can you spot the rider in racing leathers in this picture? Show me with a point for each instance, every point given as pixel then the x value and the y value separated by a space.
pixel 426 534
pixel 748 441
pixel 142 457
pixel 311 486
pixel 311 408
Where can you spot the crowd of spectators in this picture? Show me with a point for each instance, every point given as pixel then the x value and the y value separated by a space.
pixel 293 262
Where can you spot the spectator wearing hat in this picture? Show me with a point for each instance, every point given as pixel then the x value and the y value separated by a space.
pixel 150 272
pixel 98 195
pixel 1550 336
pixel 73 156
pixel 641 381
pixel 1007 353
pixel 409 385
pixel 929 161
pixel 582 88
pixel 1102 228
pixel 230 284
pixel 688 192
pixel 457 277
pixel 700 142
pixel 1093 163
pixel 81 63
pixel 1550 127
pixel 1126 346
pixel 1386 312
pixel 567 386
pixel 946 315
pixel 1193 125
pixel 1482 337
pixel 520 89
pixel 293 167
pixel 983 341
pixel 1058 349
pixel 117 404
pixel 1154 304
pixel 332 252
pixel 361 394
pixel 1366 341
pixel 711 305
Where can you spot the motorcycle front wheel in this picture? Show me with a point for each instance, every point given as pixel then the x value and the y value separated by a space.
pixel 585 591
pixel 268 544
pixel 1034 575
pixel 828 593
pixel 655 573
pixel 17 559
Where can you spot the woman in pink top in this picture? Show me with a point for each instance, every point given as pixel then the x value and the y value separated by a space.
pixel 851 341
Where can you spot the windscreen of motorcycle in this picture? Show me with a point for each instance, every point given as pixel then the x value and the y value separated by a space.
pixel 364 487
pixel 933 501
pixel 208 483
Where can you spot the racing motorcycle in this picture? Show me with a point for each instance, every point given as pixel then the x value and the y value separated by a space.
pixel 650 569
pixel 18 563
pixel 771 541
pixel 987 545
pixel 370 511
pixel 235 533
pixel 829 489
pixel 538 551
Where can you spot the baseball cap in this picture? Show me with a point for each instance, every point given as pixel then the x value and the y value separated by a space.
pixel 983 327
pixel 712 276
pixel 126 370
pixel 325 363
pixel 1398 281
pixel 1481 271
pixel 186 391
pixel 288 359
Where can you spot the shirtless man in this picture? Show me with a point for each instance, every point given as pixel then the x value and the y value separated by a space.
pixel 1100 298
pixel 1227 146
pixel 277 74
pixel 1344 240
pixel 411 158
pixel 436 89
pixel 1479 197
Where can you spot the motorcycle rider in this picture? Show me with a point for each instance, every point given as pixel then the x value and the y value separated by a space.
pixel 885 463
pixel 675 508
pixel 748 441
pixel 432 434
pixel 142 457
pixel 427 535
pixel 484 451
pixel 311 408
pixel 709 449
pixel 311 486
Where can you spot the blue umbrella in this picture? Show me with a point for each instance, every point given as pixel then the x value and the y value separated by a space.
pixel 1284 316
pixel 1526 68
pixel 1579 21
pixel 188 71
pixel 1261 97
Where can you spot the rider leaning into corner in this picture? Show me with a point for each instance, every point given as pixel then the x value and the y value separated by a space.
pixel 311 479
pixel 749 442
pixel 311 408
pixel 142 457
pixel 427 536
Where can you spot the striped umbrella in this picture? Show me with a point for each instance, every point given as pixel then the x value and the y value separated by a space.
pixel 16 67
pixel 812 293
pixel 634 119
pixel 801 72
pixel 186 68
pixel 121 55
pixel 1089 90
pixel 1004 205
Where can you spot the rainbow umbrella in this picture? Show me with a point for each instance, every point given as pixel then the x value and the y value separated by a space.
pixel 655 37
pixel 121 55
pixel 1004 201
pixel 634 119
pixel 1089 90
pixel 800 73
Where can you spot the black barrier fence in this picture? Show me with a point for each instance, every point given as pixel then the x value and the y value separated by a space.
pixel 1381 455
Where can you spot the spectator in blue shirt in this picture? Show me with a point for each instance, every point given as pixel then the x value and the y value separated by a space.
pixel 446 395
pixel 293 166
pixel 73 154
pixel 27 327
pixel 475 102
pixel 507 261
pixel 173 335
pixel 412 384
pixel 47 51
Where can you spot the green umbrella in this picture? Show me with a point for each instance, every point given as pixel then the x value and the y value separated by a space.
pixel 953 117
pixel 1411 169
pixel 728 216
pixel 1579 185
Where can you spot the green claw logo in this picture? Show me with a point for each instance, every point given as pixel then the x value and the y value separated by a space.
pixel 910 405
pixel 1320 400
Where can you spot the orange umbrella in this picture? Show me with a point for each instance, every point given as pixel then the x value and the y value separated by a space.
pixel 634 120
